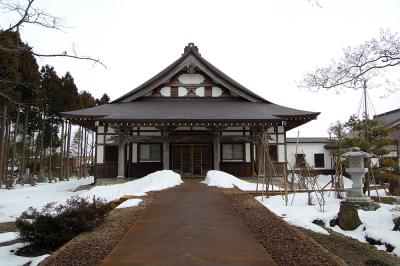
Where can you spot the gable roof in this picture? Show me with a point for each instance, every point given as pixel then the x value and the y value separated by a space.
pixel 389 119
pixel 191 56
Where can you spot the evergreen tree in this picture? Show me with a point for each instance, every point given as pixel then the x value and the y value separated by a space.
pixel 86 100
pixel 105 99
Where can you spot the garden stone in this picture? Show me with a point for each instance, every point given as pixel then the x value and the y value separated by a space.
pixel 348 218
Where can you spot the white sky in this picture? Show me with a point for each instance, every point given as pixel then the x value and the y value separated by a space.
pixel 265 45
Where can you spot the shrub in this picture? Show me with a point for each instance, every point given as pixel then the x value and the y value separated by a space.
pixel 56 224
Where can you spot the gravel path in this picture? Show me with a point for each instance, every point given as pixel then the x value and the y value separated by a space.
pixel 285 244
pixel 91 248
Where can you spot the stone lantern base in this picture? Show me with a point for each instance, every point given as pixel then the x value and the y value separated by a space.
pixel 362 203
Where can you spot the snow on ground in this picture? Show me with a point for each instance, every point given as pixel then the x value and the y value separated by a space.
pixel 7 257
pixel 129 203
pixel 225 180
pixel 9 236
pixel 153 182
pixel 17 200
pixel 375 224
pixel 323 181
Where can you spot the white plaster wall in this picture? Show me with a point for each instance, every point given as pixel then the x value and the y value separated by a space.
pixel 191 78
pixel 247 152
pixel 309 149
pixel 134 153
pixel 165 91
pixel 271 130
pixel 216 92
pixel 200 91
pixel 100 139
pixel 281 153
pixel 182 91
pixel 100 129
pixel 99 154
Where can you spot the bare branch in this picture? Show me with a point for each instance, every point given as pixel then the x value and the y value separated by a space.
pixel 30 15
pixel 65 54
pixel 357 64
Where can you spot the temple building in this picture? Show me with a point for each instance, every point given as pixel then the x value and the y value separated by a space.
pixel 189 118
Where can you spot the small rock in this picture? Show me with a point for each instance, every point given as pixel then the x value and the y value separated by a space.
pixel 348 217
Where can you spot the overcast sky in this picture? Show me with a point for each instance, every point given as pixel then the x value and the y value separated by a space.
pixel 265 45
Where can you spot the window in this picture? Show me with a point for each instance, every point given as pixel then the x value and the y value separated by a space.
pixel 232 152
pixel 300 159
pixel 149 152
pixel 319 160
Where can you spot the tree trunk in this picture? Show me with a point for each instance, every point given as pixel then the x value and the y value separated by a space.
pixel 36 157
pixel 2 144
pixel 50 155
pixel 6 153
pixel 62 152
pixel 79 153
pixel 14 148
pixel 68 149
pixel 42 150
pixel 24 135
pixel 85 141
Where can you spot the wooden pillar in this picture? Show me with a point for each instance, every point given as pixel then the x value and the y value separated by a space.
pixel 166 150
pixel 121 159
pixel 217 153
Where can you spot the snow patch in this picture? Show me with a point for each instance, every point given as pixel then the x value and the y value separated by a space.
pixel 224 180
pixel 8 258
pixel 153 182
pixel 129 203
pixel 9 236
pixel 17 200
pixel 376 224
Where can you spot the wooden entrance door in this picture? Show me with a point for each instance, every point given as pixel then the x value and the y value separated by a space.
pixel 191 160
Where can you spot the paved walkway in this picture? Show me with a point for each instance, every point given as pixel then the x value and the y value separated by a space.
pixel 189 225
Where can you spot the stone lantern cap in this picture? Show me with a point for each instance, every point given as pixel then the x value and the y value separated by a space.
pixel 356 153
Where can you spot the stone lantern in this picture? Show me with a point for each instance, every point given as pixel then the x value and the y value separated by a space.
pixel 356 169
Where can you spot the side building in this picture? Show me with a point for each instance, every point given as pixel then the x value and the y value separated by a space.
pixel 311 150
pixel 190 118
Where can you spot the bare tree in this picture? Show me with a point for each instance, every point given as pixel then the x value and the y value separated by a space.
pixel 28 14
pixel 358 64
